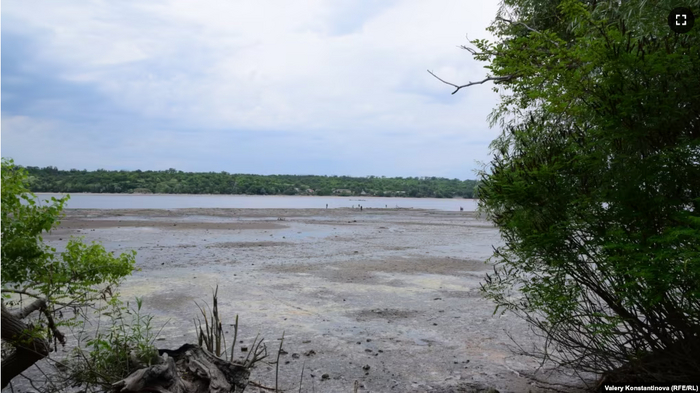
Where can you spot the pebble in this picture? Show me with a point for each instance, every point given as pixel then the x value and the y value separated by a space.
pixel 325 376
pixel 366 367
pixel 295 356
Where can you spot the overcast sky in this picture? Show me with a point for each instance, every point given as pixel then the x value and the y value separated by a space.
pixel 283 87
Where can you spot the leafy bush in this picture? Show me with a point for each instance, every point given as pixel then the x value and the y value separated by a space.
pixel 113 353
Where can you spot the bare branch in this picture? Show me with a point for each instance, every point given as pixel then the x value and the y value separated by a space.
pixel 475 53
pixel 490 78
pixel 512 22
pixel 38 304
pixel 52 325
pixel 21 292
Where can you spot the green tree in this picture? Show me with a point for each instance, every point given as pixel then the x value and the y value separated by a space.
pixel 595 184
pixel 54 282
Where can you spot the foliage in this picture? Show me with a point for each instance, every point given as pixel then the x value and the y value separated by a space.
pixel 595 184
pixel 32 268
pixel 60 283
pixel 113 354
pixel 171 181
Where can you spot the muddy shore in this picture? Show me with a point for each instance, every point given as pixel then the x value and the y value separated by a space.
pixel 395 290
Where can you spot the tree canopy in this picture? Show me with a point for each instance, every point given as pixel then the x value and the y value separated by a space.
pixel 57 284
pixel 595 183
pixel 171 181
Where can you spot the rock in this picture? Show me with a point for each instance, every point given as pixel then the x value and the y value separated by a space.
pixel 295 356
pixel 244 348
pixel 368 350
pixel 310 353
pixel 325 376
pixel 369 340
pixel 366 367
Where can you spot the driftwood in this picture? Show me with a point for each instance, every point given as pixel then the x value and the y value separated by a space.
pixel 188 369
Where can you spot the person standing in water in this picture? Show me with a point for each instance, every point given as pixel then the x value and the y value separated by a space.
pixel 326 206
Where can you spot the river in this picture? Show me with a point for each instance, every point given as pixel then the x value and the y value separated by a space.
pixel 181 201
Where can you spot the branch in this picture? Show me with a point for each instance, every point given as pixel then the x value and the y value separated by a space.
pixel 52 325
pixel 490 78
pixel 512 22
pixel 38 304
pixel 28 349
pixel 21 292
pixel 475 53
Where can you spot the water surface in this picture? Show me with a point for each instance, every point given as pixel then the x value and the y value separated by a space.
pixel 182 201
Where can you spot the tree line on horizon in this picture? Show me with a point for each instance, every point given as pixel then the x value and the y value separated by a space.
pixel 172 181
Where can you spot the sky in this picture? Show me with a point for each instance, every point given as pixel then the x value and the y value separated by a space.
pixel 335 87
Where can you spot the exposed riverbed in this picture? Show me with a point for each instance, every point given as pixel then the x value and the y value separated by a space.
pixel 395 290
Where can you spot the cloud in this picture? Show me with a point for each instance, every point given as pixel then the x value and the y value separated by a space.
pixel 247 86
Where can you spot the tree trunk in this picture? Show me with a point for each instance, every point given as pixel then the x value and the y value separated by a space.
pixel 28 350
pixel 188 369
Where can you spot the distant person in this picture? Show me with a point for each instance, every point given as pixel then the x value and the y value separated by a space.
pixel 360 207
pixel 386 206
pixel 326 206
pixel 461 209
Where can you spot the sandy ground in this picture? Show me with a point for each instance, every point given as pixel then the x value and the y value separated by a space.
pixel 395 290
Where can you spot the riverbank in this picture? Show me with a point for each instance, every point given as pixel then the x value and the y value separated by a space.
pixel 387 297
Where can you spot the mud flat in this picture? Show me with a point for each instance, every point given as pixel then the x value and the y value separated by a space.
pixel 387 297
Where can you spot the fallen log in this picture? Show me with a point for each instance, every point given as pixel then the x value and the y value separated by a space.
pixel 188 369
